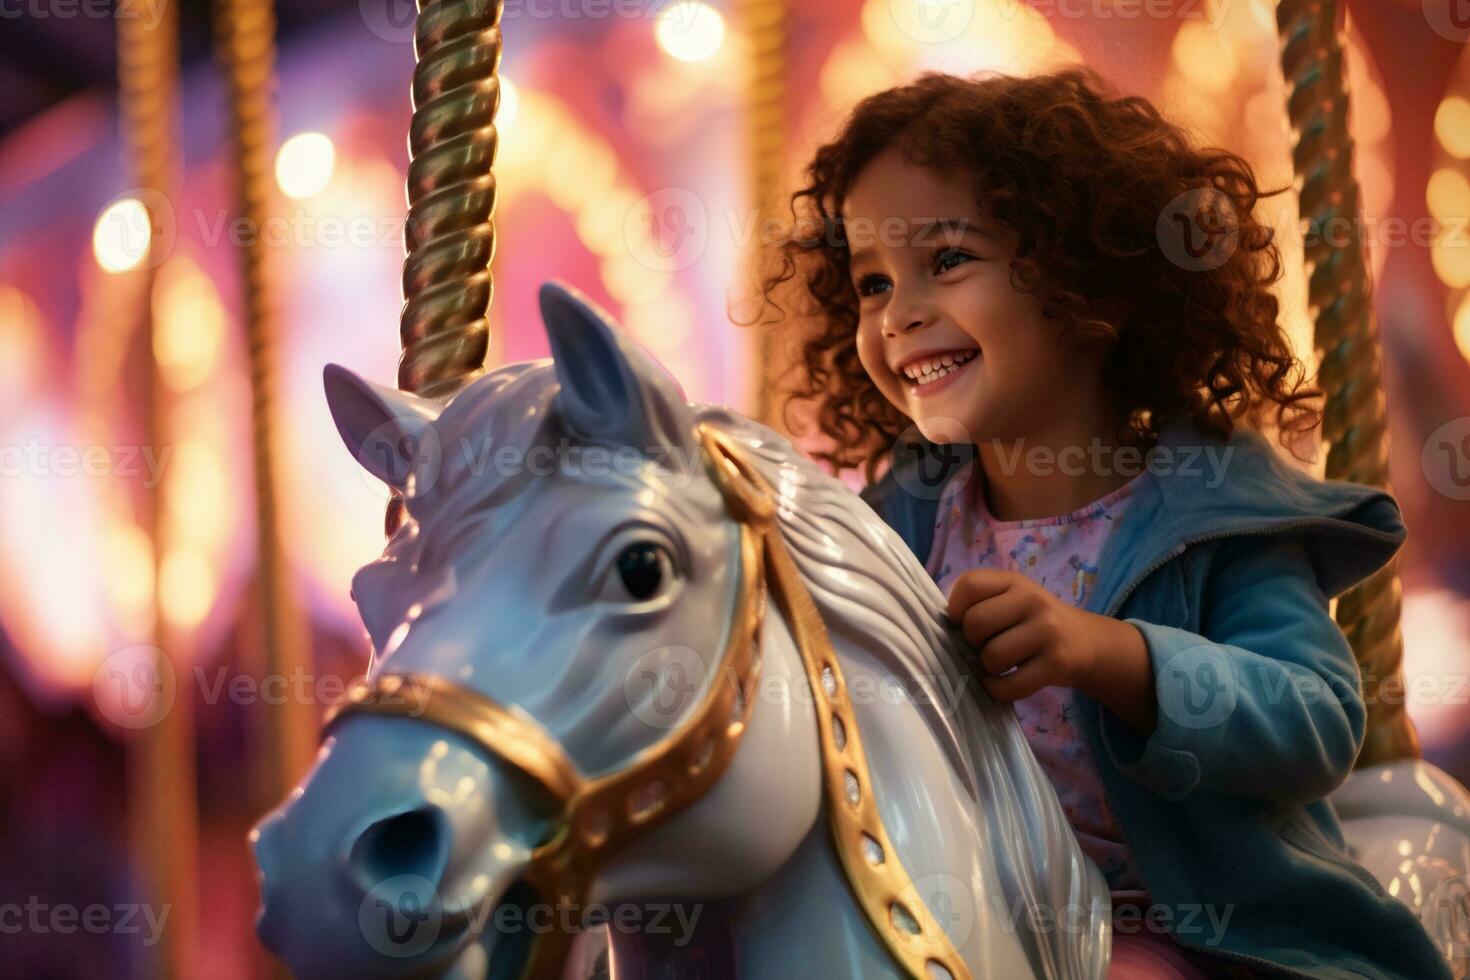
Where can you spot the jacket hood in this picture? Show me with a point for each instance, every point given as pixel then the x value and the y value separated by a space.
pixel 1215 487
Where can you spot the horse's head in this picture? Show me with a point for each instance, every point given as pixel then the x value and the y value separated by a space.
pixel 555 610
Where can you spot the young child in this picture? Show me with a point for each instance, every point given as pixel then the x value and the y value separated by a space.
pixel 1050 313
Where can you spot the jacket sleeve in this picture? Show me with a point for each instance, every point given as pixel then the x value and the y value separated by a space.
pixel 1266 702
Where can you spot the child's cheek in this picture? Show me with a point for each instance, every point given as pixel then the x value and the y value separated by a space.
pixel 870 354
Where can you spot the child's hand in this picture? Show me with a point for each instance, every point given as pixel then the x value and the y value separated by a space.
pixel 1015 622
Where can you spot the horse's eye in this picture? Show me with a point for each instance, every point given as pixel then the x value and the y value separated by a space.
pixel 641 567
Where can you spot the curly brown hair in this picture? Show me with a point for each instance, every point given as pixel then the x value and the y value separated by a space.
pixel 1084 179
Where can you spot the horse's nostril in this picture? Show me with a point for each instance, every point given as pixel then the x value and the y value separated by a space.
pixel 415 842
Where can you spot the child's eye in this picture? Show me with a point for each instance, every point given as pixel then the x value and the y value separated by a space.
pixel 870 284
pixel 948 258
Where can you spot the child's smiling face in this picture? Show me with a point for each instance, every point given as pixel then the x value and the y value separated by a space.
pixel 933 283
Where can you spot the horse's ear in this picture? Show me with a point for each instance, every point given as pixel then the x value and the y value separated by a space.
pixel 612 391
pixel 389 431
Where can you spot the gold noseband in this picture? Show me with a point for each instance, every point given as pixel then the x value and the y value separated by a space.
pixel 599 816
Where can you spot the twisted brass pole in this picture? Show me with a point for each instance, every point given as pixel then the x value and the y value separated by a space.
pixel 450 233
pixel 763 24
pixel 245 47
pixel 163 816
pixel 1346 335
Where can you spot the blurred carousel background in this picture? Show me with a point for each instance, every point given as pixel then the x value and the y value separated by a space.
pixel 200 206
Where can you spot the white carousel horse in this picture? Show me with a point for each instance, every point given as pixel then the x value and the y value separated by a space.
pixel 572 705
pixel 633 654
pixel 1408 823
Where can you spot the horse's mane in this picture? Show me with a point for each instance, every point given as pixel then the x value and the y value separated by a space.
pixel 875 595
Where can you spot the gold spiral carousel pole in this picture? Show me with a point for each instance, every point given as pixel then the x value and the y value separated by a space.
pixel 450 232
pixel 1346 334
pixel 246 48
pixel 163 818
pixel 763 24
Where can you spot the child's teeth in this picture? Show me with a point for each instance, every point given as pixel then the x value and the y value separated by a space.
pixel 937 368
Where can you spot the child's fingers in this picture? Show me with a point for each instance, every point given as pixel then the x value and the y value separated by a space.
pixel 988 617
pixel 1011 647
pixel 1024 681
pixel 974 586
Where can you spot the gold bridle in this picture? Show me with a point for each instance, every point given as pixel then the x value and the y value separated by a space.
pixel 599 816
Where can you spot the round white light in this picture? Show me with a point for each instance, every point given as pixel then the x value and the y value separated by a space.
pixel 121 237
pixel 304 164
pixel 691 31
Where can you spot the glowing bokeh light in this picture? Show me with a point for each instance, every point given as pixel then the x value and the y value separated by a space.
pixel 20 343
pixel 937 35
pixel 1462 326
pixel 186 587
pixel 510 104
pixel 196 494
pixel 1436 627
pixel 50 596
pixel 1452 126
pixel 1205 57
pixel 600 222
pixel 1447 194
pixel 122 235
pixel 127 576
pixel 304 165
pixel 691 31
pixel 1451 263
pixel 628 279
pixel 190 329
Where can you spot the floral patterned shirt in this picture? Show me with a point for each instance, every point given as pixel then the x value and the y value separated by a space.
pixel 1060 554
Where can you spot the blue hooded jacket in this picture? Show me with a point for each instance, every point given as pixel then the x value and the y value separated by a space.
pixel 1226 561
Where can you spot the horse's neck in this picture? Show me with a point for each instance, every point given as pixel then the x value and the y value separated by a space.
pixel 802 922
pixel 808 907
pixel 804 919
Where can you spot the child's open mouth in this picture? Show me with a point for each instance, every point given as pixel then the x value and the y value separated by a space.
pixel 936 373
